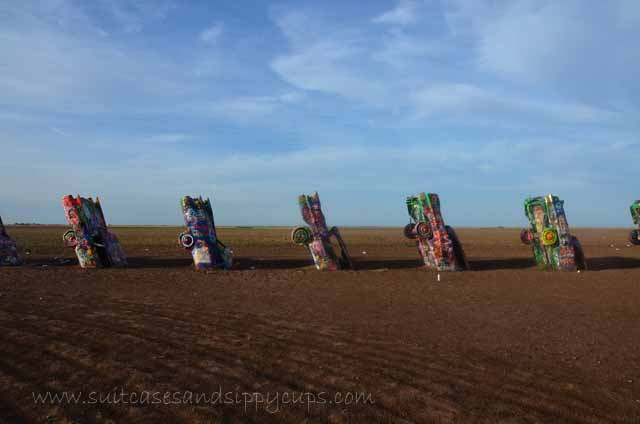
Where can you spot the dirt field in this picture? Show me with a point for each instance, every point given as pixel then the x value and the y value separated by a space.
pixel 503 343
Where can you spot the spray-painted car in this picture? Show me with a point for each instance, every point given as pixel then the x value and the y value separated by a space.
pixel 201 237
pixel 552 244
pixel 8 251
pixel 94 244
pixel 321 241
pixel 437 243
pixel 634 236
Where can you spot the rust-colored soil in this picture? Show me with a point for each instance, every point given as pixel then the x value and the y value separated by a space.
pixel 503 343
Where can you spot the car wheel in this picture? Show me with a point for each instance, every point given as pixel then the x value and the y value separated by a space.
pixel 408 231
pixel 634 237
pixel 69 238
pixel 526 236
pixel 186 241
pixel 423 230
pixel 301 235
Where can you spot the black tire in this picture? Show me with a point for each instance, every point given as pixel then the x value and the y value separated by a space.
pixel 461 258
pixel 301 235
pixel 581 261
pixel 634 237
pixel 186 240
pixel 69 238
pixel 408 231
pixel 526 236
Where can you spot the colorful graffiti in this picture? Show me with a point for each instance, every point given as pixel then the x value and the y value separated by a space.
pixel 552 244
pixel 94 244
pixel 319 239
pixel 634 236
pixel 8 250
pixel 437 243
pixel 201 238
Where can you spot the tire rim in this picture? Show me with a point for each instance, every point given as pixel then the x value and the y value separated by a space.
pixel 187 241
pixel 423 230
pixel 300 235
pixel 549 237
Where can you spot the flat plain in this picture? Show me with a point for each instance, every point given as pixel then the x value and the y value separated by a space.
pixel 505 342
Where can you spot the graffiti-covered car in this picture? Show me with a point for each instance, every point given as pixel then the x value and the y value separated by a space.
pixel 94 244
pixel 634 236
pixel 8 251
pixel 553 245
pixel 437 243
pixel 326 245
pixel 201 237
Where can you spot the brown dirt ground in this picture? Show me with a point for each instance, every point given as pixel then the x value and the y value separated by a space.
pixel 503 343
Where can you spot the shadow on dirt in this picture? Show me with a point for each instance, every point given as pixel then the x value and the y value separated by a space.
pixel 271 263
pixel 496 264
pixel 146 262
pixel 239 264
pixel 50 262
pixel 612 262
pixel 369 265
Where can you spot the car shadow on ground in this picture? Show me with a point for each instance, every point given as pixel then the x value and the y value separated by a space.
pixel 148 262
pixel 370 264
pixel 612 262
pixel 496 264
pixel 271 263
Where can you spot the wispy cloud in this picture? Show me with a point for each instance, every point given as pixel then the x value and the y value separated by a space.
pixel 403 14
pixel 212 33
pixel 328 63
pixel 60 132
pixel 469 102
pixel 163 139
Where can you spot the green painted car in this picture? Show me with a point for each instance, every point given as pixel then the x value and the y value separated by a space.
pixel 634 236
pixel 552 244
pixel 437 243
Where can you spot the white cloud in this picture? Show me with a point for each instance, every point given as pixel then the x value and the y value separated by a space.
pixel 60 132
pixel 249 108
pixel 581 52
pixel 212 34
pixel 470 103
pixel 292 97
pixel 132 17
pixel 399 49
pixel 403 14
pixel 170 138
pixel 329 62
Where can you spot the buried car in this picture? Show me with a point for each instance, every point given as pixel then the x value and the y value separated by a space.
pixel 201 237
pixel 318 238
pixel 437 243
pixel 8 251
pixel 553 246
pixel 94 244
pixel 634 236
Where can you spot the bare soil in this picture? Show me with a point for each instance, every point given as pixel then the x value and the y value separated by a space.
pixel 505 342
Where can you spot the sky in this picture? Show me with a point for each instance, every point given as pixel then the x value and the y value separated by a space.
pixel 252 103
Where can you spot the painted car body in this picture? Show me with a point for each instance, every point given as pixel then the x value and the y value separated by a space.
pixel 94 244
pixel 634 236
pixel 321 241
pixel 201 238
pixel 437 243
pixel 8 250
pixel 553 245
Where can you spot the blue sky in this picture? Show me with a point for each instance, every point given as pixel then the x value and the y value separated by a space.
pixel 253 102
